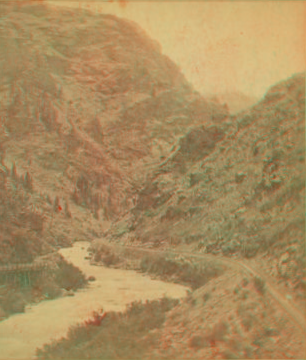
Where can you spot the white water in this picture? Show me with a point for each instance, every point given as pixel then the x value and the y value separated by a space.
pixel 21 334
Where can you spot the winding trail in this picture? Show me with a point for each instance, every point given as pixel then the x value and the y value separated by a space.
pixel 295 314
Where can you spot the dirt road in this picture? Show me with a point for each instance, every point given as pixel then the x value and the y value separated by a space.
pixel 296 315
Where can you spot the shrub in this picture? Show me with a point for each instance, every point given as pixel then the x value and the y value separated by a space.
pixel 236 290
pixel 56 205
pixel 197 342
pixel 110 259
pixel 50 289
pixel 219 331
pixel 248 352
pixel 68 276
pixel 14 172
pixel 67 211
pixel 48 199
pixel 28 182
pixel 195 179
pixel 250 250
pixel 98 257
pixel 244 294
pixel 260 285
pixel 206 297
pixel 13 301
pixel 247 322
pixel 105 255
pixel 239 178
pixel 230 248
pixel 268 331
pixel 227 354
pixel 190 299
pixel 3 314
pixel 186 273
pixel 245 282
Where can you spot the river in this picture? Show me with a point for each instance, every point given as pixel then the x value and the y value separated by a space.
pixel 21 334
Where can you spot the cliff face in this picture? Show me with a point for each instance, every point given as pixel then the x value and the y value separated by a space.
pixel 88 104
pixel 237 189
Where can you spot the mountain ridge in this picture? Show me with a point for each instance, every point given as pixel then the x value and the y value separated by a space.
pixel 242 198
pixel 88 104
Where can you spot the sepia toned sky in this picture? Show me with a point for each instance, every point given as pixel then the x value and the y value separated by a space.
pixel 221 46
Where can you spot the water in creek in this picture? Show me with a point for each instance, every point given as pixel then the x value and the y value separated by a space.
pixel 21 334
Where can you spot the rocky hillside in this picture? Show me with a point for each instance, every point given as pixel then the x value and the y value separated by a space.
pixel 88 103
pixel 235 189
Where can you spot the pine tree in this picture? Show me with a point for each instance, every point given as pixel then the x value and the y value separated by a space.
pixel 67 211
pixel 96 214
pixel 49 201
pixel 76 197
pixel 56 205
pixel 28 182
pixel 14 172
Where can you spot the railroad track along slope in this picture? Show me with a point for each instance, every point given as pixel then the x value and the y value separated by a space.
pixel 295 314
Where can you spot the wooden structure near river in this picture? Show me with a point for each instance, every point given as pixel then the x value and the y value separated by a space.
pixel 24 274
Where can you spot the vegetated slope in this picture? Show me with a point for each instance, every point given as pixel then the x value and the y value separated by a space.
pixel 231 317
pixel 87 104
pixel 236 194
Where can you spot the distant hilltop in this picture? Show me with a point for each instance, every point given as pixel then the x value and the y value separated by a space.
pixel 235 100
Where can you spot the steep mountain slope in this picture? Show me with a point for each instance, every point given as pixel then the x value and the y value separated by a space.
pixel 237 189
pixel 88 103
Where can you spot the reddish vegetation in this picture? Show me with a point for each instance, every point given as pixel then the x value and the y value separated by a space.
pixel 96 319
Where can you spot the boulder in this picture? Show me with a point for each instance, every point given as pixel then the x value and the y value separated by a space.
pixel 67 292
pixel 70 293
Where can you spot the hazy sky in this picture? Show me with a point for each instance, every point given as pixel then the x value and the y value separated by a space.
pixel 225 45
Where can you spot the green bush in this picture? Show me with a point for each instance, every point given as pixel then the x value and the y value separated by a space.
pixel 260 285
pixel 227 354
pixel 13 301
pixel 206 297
pixel 197 342
pixel 247 322
pixel 68 276
pixel 245 282
pixel 250 250
pixel 185 273
pixel 50 289
pixel 110 259
pixel 268 331
pixel 218 332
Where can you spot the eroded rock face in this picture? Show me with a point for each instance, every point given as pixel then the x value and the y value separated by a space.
pixel 86 110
